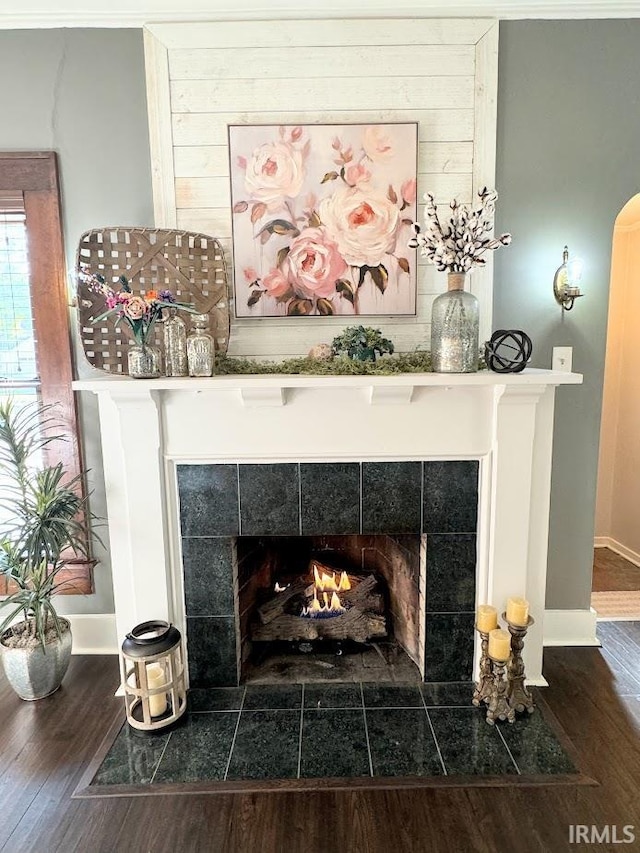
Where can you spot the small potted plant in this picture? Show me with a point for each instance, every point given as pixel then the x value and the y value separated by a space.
pixel 361 343
pixel 46 526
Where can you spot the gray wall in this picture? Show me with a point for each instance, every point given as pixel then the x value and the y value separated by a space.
pixel 82 93
pixel 568 160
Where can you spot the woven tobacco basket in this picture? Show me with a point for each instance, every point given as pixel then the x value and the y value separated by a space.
pixel 189 264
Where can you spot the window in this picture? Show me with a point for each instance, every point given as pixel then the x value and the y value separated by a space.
pixel 35 345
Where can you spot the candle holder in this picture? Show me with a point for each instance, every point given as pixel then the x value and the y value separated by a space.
pixel 520 699
pixel 498 705
pixel 483 688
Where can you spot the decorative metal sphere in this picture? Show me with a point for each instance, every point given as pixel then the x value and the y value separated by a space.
pixel 508 351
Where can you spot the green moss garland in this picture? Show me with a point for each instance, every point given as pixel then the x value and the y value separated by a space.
pixel 415 362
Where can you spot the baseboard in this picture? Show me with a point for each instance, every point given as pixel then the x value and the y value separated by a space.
pixel 618 548
pixel 570 628
pixel 94 633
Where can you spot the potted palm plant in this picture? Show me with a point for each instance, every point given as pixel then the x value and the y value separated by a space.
pixel 44 526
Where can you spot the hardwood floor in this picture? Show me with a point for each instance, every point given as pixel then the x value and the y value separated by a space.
pixel 611 572
pixel 45 746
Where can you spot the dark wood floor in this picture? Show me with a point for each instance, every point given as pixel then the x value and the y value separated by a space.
pixel 612 573
pixel 45 746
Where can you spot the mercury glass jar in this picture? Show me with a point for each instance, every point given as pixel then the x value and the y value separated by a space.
pixel 200 347
pixel 454 329
pixel 144 361
pixel 175 344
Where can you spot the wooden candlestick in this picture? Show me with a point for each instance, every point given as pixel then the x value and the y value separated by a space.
pixel 498 707
pixel 520 699
pixel 484 684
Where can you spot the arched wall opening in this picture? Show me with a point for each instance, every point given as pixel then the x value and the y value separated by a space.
pixel 618 494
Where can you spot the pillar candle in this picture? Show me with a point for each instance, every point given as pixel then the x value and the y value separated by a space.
pixel 499 644
pixel 518 611
pixel 155 678
pixel 486 618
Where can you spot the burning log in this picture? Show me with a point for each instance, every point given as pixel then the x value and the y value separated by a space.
pixel 329 607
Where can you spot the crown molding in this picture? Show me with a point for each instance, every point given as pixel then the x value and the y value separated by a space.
pixel 36 14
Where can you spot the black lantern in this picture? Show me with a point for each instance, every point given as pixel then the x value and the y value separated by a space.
pixel 152 675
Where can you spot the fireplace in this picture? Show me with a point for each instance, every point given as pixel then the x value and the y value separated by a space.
pixel 355 571
pixel 162 437
pixel 321 608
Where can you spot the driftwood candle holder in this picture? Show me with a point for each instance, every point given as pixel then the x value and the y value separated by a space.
pixel 484 685
pixel 520 698
pixel 498 705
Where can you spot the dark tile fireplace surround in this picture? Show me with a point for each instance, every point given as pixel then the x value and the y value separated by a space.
pixel 220 502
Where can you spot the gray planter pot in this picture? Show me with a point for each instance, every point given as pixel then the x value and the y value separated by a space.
pixel 34 674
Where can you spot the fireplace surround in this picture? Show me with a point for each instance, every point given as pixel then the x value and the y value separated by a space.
pixel 220 505
pixel 501 423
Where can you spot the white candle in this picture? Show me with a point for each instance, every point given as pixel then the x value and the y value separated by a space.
pixel 155 678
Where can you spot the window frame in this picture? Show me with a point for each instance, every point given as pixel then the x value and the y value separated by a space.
pixel 35 175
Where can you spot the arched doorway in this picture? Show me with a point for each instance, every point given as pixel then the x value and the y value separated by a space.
pixel 616 578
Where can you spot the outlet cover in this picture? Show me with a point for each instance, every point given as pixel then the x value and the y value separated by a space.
pixel 562 359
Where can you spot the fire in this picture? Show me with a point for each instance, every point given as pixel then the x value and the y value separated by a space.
pixel 327 581
pixel 323 584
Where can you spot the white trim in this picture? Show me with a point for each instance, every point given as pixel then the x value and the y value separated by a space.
pixel 570 628
pixel 484 158
pixel 33 14
pixel 617 548
pixel 160 131
pixel 94 633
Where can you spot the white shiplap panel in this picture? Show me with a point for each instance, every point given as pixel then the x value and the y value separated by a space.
pixel 447 125
pixel 319 61
pixel 301 72
pixel 340 33
pixel 200 192
pixel 211 161
pixel 368 93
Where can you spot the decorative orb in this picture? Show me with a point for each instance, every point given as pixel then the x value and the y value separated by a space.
pixel 508 351
pixel 320 352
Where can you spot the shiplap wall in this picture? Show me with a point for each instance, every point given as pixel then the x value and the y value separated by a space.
pixel 202 77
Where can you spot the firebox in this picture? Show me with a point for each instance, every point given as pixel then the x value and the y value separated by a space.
pixel 330 607
pixel 329 571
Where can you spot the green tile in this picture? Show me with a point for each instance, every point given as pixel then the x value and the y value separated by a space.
pixel 391 496
pixel 332 696
pixel 208 500
pixel 266 745
pixel 402 743
pixel 534 746
pixel 212 651
pixel 208 576
pixel 330 498
pixel 392 696
pixel 450 496
pixel 334 744
pixel 454 693
pixel 269 500
pixel 285 697
pixel 469 745
pixel 198 750
pixel 132 759
pixel 215 699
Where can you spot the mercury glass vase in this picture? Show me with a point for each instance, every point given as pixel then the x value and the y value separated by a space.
pixel 144 361
pixel 454 329
pixel 175 344
pixel 200 347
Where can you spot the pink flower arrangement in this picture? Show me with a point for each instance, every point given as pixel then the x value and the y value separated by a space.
pixel 315 250
pixel 138 313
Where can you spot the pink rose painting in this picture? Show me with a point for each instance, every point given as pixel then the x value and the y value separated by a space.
pixel 322 216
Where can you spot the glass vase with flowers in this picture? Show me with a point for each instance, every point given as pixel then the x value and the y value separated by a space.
pixel 455 247
pixel 139 314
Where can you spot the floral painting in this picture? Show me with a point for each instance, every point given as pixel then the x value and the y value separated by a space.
pixel 322 215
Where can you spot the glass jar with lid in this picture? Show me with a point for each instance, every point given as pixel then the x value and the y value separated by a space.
pixel 200 347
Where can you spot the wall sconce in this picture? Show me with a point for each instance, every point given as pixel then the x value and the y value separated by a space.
pixel 566 282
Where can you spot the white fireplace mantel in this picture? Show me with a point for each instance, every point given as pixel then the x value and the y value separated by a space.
pixel 150 426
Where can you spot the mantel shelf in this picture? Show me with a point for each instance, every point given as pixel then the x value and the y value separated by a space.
pixel 272 381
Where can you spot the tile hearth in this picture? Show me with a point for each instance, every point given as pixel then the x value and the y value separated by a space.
pixel 333 731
